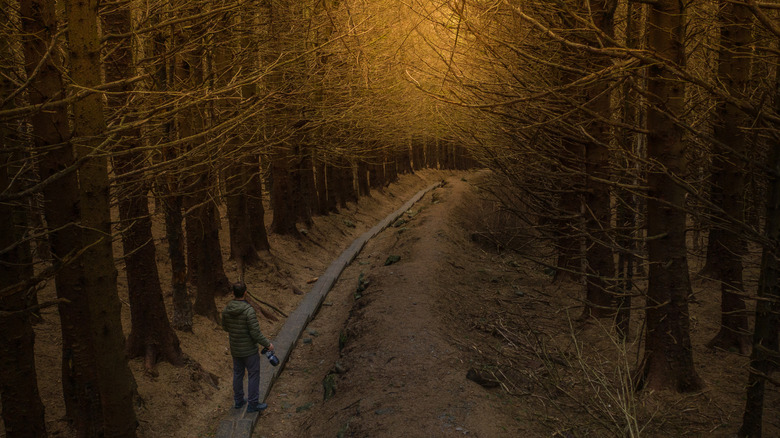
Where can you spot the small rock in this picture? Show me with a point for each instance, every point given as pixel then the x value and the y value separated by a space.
pixel 313 332
pixel 307 341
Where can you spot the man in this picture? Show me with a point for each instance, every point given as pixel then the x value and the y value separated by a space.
pixel 240 321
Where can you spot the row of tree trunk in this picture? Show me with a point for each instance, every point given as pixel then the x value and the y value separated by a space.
pixel 194 154
pixel 611 106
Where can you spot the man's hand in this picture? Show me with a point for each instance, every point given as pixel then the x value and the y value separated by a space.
pixel 270 347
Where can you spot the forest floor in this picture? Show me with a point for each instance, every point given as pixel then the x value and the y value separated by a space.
pixel 459 337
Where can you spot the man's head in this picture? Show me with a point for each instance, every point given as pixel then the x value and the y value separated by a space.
pixel 239 289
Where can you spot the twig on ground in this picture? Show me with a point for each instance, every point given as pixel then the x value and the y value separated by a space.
pixel 266 304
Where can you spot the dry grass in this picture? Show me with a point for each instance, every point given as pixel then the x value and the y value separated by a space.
pixel 575 378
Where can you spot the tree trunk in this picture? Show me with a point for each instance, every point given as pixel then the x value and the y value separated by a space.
pixel 332 188
pixel 668 360
pixel 61 210
pixel 460 158
pixel 304 192
pixel 151 335
pixel 765 356
pixel 254 187
pixel 255 206
pixel 403 158
pixel 22 414
pixel 182 306
pixel 203 244
pixel 115 382
pixel 346 182
pixel 376 173
pixel 242 245
pixel 282 194
pixel 391 168
pixel 600 265
pixel 710 269
pixel 322 186
pixel 362 177
pixel 444 155
pixel 729 176
pixel 418 151
pixel 41 243
pixel 625 200
pixel 227 60
pixel 192 229
pixel 451 156
pixel 441 155
pixel 567 218
pixel 171 198
pixel 188 73
pixel 203 236
pixel 430 153
pixel 342 183
pixel 204 255
pixel 211 276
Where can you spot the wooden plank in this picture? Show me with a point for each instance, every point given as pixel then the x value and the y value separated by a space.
pixel 244 427
pixel 235 414
pixel 225 429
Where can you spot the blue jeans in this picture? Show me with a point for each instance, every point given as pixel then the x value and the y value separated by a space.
pixel 252 366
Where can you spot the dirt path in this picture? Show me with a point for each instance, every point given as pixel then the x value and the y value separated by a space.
pixel 400 372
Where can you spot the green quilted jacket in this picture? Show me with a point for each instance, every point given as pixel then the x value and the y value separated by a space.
pixel 240 321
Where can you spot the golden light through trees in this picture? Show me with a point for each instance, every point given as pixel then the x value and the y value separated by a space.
pixel 628 137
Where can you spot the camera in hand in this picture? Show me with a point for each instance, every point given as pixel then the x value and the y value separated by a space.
pixel 271 356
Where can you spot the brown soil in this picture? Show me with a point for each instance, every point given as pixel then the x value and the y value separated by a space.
pixel 182 402
pixel 397 354
pixel 454 306
pixel 402 369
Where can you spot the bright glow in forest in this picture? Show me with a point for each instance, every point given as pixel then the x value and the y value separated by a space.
pixel 452 217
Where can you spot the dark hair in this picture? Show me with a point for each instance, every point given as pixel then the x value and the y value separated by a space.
pixel 239 289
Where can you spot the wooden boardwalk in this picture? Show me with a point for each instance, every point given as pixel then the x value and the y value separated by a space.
pixel 239 423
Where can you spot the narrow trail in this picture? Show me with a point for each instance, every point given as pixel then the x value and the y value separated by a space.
pixel 400 371
pixel 240 423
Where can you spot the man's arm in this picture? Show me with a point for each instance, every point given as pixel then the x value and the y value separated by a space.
pixel 254 328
